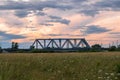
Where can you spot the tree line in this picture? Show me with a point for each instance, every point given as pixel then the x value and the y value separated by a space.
pixel 94 48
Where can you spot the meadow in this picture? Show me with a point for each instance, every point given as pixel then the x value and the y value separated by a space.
pixel 60 66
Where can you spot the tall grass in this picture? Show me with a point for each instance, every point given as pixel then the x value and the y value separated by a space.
pixel 72 66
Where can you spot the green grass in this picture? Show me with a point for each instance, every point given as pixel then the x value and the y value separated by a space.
pixel 72 66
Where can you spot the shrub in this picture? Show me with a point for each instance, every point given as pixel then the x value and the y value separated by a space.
pixel 112 48
pixel 118 48
pixel 118 68
pixel 32 47
pixel 96 48
pixel 0 50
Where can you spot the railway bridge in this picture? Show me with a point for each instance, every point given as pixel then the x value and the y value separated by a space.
pixel 61 43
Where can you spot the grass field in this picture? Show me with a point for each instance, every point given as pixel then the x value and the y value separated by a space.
pixel 64 66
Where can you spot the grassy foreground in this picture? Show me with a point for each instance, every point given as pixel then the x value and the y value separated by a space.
pixel 72 66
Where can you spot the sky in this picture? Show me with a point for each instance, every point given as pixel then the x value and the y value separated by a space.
pixel 23 21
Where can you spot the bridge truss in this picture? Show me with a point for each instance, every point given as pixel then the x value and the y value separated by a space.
pixel 61 43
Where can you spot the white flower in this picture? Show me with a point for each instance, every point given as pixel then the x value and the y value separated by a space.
pixel 112 74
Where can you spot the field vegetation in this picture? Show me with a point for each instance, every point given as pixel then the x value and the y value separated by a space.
pixel 60 66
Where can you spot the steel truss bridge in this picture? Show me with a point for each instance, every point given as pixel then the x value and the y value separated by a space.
pixel 61 44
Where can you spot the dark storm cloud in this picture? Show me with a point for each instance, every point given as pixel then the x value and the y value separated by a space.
pixel 94 29
pixel 10 36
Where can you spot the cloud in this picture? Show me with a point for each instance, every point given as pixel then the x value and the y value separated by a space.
pixel 46 24
pixel 102 5
pixel 90 12
pixel 10 36
pixel 25 13
pixel 39 13
pixel 23 8
pixel 77 1
pixel 86 7
pixel 63 18
pixel 54 35
pixel 108 5
pixel 94 29
pixel 14 22
pixel 32 5
pixel 21 13
pixel 115 33
pixel 62 21
pixel 57 19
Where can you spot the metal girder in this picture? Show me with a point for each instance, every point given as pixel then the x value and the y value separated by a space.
pixel 61 43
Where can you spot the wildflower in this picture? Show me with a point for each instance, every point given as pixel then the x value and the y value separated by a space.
pixel 116 77
pixel 118 74
pixel 106 73
pixel 59 71
pixel 100 77
pixel 112 74
pixel 100 71
pixel 108 77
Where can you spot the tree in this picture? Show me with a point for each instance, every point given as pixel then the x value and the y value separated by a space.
pixel 15 45
pixel 12 45
pixel 112 48
pixel 96 47
pixel 118 48
pixel 0 49
pixel 32 47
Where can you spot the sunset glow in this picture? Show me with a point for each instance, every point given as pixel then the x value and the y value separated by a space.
pixel 25 20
